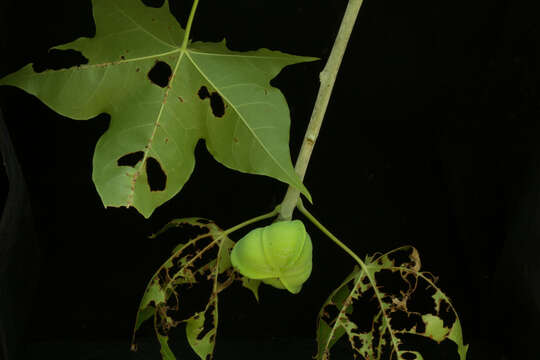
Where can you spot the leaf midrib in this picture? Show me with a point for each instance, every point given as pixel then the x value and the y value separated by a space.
pixel 155 126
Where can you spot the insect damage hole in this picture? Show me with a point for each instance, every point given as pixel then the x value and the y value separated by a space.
pixel 59 59
pixel 160 74
pixel 217 105
pixel 130 159
pixel 409 356
pixel 157 179
pixel 203 93
pixel 153 3
pixel 216 101
pixel 208 322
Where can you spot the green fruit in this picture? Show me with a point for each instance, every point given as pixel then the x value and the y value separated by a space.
pixel 278 254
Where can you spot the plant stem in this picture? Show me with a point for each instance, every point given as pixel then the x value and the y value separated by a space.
pixel 189 23
pixel 327 78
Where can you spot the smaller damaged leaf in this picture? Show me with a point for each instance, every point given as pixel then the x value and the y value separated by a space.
pixel 188 265
pixel 392 303
pixel 327 331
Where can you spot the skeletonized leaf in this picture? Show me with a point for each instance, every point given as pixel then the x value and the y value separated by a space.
pixel 370 343
pixel 206 92
pixel 188 266
pixel 329 329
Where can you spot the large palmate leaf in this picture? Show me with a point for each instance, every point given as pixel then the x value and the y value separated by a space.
pixel 212 93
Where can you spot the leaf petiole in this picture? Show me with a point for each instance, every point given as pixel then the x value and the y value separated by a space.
pixel 253 220
pixel 306 213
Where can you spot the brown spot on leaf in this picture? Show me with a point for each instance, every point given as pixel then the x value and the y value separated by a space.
pixel 122 57
pixel 180 98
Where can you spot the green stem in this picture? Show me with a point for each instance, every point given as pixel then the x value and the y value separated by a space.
pixel 253 220
pixel 189 23
pixel 327 79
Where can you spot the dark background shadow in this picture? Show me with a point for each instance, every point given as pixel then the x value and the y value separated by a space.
pixel 431 139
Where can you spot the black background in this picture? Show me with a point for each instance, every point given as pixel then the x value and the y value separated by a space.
pixel 431 139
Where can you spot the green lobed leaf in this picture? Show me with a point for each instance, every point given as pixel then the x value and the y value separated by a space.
pixel 249 131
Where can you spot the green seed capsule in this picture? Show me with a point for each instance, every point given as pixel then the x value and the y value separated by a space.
pixel 278 254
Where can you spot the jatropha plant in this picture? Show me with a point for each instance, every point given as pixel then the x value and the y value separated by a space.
pixel 158 123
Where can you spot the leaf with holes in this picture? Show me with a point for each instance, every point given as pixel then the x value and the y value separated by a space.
pixel 370 340
pixel 202 338
pixel 163 97
pixel 190 264
pixel 327 331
